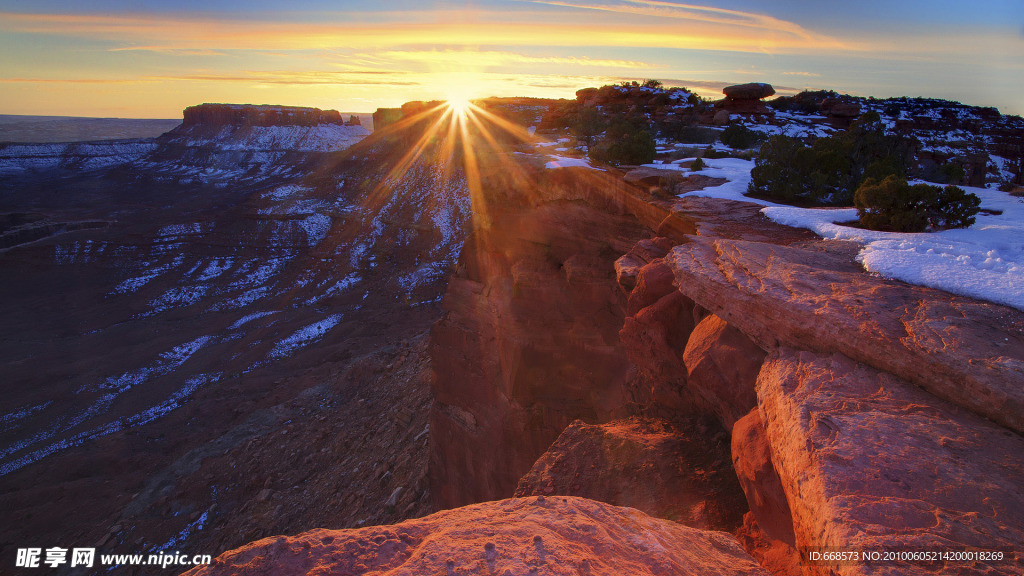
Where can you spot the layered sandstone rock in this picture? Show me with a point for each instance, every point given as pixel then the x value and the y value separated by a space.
pixel 752 461
pixel 654 336
pixel 680 472
pixel 965 351
pixel 721 368
pixel 869 461
pixel 258 115
pixel 542 536
pixel 716 218
pixel 628 266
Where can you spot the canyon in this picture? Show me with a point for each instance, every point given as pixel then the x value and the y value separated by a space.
pixel 470 361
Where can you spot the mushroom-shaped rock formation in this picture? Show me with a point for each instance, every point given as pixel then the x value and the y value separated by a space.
pixel 750 91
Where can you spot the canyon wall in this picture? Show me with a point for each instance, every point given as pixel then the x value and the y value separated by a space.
pixel 529 341
pixel 262 115
pixel 858 408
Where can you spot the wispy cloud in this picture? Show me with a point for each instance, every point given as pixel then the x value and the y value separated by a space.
pixel 720 31
pixel 171 51
pixel 282 77
pixel 693 13
pixel 307 78
pixel 24 80
pixel 477 58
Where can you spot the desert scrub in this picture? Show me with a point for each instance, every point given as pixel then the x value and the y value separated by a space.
pixel 627 141
pixel 830 170
pixel 894 204
pixel 740 137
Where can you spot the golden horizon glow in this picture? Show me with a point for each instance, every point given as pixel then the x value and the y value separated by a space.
pixel 154 64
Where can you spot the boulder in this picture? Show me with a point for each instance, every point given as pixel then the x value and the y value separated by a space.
pixel 968 352
pixel 752 461
pixel 628 266
pixel 654 282
pixel 745 107
pixel 654 340
pixel 837 108
pixel 777 557
pixel 749 91
pixel 721 369
pixel 870 462
pixel 676 471
pixel 544 536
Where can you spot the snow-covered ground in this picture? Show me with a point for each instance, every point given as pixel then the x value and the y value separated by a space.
pixel 321 138
pixel 568 162
pixel 16 158
pixel 985 261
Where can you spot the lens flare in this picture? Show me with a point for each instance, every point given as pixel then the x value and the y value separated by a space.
pixel 459 105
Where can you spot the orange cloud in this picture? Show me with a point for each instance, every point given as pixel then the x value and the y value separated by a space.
pixel 695 13
pixel 476 58
pixel 179 33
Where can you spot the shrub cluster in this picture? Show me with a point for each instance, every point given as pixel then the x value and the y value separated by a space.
pixel 740 137
pixel 893 204
pixel 830 170
pixel 627 141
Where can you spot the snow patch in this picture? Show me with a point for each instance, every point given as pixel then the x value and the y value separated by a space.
pixel 569 162
pixel 985 261
pixel 304 336
pixel 248 318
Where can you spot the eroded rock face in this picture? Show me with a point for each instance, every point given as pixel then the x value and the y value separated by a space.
pixel 752 461
pixel 544 536
pixel 966 351
pixel 530 339
pixel 654 282
pixel 258 115
pixel 653 340
pixel 628 266
pixel 721 368
pixel 716 218
pixel 868 460
pixel 679 472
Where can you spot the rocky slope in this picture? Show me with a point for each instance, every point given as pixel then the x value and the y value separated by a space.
pixel 543 536
pixel 182 326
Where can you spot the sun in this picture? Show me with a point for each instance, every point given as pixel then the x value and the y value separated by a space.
pixel 459 90
pixel 459 105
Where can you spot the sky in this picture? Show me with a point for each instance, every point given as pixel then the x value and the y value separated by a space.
pixel 152 58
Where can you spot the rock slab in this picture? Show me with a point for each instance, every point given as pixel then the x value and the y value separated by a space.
pixel 721 368
pixel 542 536
pixel 749 91
pixel 678 471
pixel 870 462
pixel 968 352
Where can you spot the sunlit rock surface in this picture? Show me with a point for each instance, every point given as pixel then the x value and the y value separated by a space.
pixel 543 536
pixel 966 351
pixel 870 461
